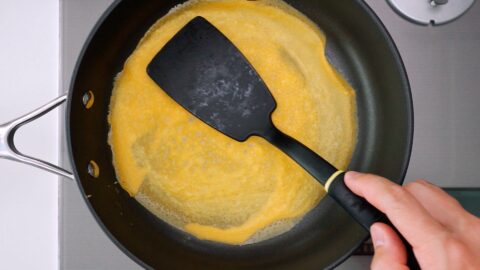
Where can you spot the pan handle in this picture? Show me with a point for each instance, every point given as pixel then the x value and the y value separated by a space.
pixel 7 134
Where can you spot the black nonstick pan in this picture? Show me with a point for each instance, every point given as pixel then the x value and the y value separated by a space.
pixel 358 45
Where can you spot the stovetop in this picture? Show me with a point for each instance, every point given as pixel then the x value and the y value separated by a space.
pixel 443 65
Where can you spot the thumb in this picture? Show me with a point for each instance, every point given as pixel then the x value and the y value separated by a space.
pixel 389 249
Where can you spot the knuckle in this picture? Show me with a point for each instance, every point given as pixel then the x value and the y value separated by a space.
pixel 368 176
pixel 475 224
pixel 396 197
pixel 379 261
pixel 456 249
pixel 423 181
pixel 413 185
pixel 397 193
pixel 386 263
pixel 454 203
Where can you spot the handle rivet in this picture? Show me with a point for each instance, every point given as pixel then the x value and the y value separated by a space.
pixel 87 99
pixel 93 169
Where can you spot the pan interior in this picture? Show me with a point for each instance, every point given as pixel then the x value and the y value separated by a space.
pixel 191 175
pixel 358 46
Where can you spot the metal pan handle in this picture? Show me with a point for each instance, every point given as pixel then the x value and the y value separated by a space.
pixel 7 134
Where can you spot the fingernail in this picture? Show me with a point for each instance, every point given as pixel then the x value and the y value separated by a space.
pixel 352 175
pixel 378 237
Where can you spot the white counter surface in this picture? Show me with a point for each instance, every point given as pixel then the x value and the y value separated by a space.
pixel 29 50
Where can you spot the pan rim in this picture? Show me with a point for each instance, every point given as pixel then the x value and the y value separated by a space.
pixel 409 106
pixel 402 75
pixel 85 46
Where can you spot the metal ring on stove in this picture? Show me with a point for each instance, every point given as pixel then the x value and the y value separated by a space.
pixel 431 12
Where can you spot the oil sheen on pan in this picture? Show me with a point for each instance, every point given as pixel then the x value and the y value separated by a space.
pixel 205 183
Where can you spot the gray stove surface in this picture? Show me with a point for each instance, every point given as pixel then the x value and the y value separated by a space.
pixel 443 64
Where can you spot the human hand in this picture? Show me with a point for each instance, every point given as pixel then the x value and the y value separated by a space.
pixel 442 234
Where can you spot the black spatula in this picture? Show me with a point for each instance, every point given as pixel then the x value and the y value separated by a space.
pixel 207 75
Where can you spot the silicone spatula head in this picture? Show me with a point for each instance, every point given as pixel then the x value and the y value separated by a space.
pixel 207 75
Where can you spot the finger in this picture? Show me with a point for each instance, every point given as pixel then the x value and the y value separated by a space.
pixel 403 210
pixel 389 250
pixel 439 204
pixel 446 210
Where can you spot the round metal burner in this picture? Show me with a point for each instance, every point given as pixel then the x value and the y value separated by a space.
pixel 434 12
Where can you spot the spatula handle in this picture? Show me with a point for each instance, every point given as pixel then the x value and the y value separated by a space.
pixel 329 176
pixel 314 164
pixel 363 212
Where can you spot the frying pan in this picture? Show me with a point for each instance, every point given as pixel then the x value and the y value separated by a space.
pixel 358 45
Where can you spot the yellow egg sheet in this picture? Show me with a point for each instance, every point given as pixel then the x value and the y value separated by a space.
pixel 200 180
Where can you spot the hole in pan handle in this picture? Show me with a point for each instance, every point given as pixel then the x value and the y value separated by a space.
pixel 7 134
